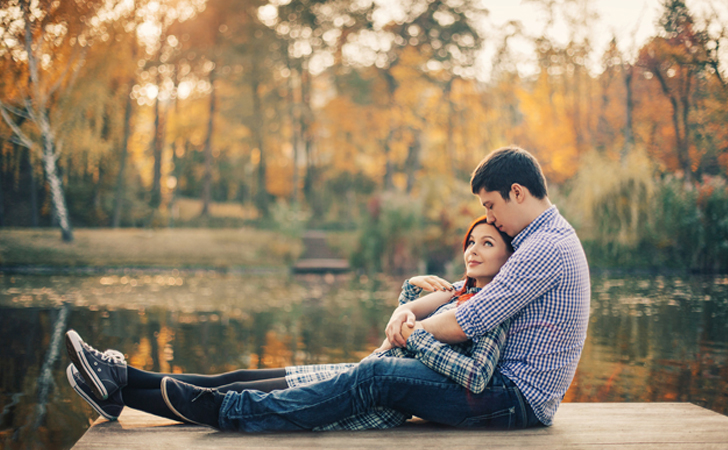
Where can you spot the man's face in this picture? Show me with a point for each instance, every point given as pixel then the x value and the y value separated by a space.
pixel 501 213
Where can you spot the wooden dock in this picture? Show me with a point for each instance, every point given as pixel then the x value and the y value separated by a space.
pixel 318 257
pixel 577 425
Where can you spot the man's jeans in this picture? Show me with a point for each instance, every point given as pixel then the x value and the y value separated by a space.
pixel 403 384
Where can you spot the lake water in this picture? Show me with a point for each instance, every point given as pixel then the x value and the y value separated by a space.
pixel 651 338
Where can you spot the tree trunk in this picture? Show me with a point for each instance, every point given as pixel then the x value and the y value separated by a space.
pixel 413 160
pixel 685 150
pixel 98 210
pixel 261 195
pixel 120 180
pixel 306 116
pixel 34 217
pixel 576 111
pixel 681 138
pixel 295 122
pixel 388 164
pixel 2 191
pixel 629 125
pixel 54 182
pixel 157 145
pixel 207 181
pixel 450 131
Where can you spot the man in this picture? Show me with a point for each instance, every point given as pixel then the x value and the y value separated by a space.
pixel 543 289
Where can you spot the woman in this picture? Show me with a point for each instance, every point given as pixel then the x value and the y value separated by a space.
pixel 108 384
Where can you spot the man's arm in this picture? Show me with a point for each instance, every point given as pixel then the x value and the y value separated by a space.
pixel 445 328
pixel 530 272
pixel 413 308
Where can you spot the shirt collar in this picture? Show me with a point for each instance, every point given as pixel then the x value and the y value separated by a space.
pixel 545 217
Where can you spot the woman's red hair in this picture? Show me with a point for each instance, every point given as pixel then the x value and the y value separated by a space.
pixel 470 282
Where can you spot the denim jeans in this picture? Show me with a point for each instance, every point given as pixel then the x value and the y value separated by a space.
pixel 403 384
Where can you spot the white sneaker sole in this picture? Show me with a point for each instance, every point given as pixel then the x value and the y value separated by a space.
pixel 74 346
pixel 89 400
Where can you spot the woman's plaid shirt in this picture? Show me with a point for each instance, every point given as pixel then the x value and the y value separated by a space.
pixel 469 364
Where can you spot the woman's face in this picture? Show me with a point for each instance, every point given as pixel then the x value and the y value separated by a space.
pixel 485 254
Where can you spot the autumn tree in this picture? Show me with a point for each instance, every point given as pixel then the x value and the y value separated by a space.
pixel 675 59
pixel 47 44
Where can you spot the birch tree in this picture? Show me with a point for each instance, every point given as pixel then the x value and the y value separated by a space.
pixel 46 42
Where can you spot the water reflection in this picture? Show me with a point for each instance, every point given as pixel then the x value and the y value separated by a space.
pixel 650 338
pixel 660 339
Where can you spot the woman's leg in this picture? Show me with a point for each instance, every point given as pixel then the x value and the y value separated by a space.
pixel 142 379
pixel 150 400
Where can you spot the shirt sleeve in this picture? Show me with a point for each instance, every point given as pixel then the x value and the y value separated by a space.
pixel 526 276
pixel 472 372
pixel 409 293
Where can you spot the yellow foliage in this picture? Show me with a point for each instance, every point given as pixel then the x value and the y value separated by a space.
pixel 600 178
pixel 550 131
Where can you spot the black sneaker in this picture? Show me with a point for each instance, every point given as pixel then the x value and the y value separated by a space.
pixel 109 409
pixel 105 373
pixel 191 403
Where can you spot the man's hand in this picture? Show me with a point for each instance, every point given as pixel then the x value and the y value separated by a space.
pixel 407 330
pixel 394 327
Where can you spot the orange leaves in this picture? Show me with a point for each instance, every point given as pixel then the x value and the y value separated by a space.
pixel 549 129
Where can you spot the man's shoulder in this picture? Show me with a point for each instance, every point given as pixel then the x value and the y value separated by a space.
pixel 555 239
pixel 553 232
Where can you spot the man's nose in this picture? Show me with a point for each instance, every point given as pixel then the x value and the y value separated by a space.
pixel 489 218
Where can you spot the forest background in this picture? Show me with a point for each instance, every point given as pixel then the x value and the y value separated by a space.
pixel 364 118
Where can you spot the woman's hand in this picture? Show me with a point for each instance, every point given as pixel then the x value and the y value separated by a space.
pixel 431 283
pixel 386 345
pixel 394 327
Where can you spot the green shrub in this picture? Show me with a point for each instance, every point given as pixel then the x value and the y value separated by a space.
pixel 389 235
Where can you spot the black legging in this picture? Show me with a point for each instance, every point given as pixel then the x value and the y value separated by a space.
pixel 143 391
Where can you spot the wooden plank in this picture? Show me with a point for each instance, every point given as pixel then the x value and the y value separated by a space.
pixel 661 426
pixel 321 265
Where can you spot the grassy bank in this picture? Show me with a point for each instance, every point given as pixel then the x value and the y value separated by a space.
pixel 180 248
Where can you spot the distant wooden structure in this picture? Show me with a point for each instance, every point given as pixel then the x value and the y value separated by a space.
pixel 318 257
pixel 660 426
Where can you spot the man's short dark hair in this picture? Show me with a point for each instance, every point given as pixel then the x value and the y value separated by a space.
pixel 505 166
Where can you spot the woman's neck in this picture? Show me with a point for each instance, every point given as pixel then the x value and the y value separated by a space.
pixel 481 282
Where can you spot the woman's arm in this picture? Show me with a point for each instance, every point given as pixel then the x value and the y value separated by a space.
pixel 473 371
pixel 413 308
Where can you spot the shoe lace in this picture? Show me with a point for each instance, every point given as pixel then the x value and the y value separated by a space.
pixel 202 392
pixel 115 355
pixel 109 355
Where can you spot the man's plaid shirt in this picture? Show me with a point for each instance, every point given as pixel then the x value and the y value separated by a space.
pixel 544 289
pixel 469 364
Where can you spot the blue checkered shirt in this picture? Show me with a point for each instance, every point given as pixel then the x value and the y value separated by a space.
pixel 470 364
pixel 544 290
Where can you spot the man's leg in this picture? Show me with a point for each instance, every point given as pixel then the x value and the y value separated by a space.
pixel 403 384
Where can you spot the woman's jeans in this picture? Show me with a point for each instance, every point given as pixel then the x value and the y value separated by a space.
pixel 403 384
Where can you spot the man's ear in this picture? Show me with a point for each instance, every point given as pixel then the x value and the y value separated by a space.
pixel 518 193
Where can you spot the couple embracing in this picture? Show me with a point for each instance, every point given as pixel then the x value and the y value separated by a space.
pixel 496 349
